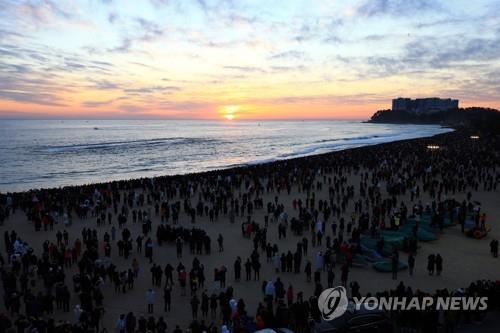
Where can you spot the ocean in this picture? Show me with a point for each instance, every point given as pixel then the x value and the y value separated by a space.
pixel 53 153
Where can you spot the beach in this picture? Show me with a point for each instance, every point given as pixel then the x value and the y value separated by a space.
pixel 464 259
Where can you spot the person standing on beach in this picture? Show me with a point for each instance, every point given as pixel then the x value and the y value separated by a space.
pixel 289 295
pixel 248 270
pixel 256 269
pixel 330 277
pixel 431 260
pixel 395 264
pixel 213 305
pixel 308 271
pixel 167 297
pixel 439 264
pixel 150 299
pixel 120 324
pixel 269 290
pixel 494 248
pixel 411 263
pixel 178 246
pixel 168 274
pixel 277 262
pixel 220 241
pixel 355 289
pixel 237 269
pixel 195 302
pixel 344 274
pixel 149 250
pixel 205 300
pixel 138 241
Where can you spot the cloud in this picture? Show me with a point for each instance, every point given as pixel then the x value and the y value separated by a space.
pixel 5 33
pixel 101 63
pixel 24 85
pixel 112 17
pixel 43 11
pixel 214 44
pixel 293 54
pixel 440 22
pixel 347 99
pixel 288 68
pixel 34 97
pixel 305 33
pixel 50 64
pixel 8 53
pixel 172 108
pixel 150 30
pixel 34 74
pixel 371 8
pixel 132 108
pixel 151 89
pixel 158 3
pixel 233 19
pixel 124 47
pixel 191 106
pixel 478 49
pixel 203 5
pixel 375 38
pixel 14 68
pixel 425 55
pixel 246 69
pixel 105 85
pixel 94 104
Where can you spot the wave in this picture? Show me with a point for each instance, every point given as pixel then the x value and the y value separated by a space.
pixel 127 144
pixel 366 137
pixel 327 145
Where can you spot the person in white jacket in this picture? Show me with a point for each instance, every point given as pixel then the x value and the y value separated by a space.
pixel 269 291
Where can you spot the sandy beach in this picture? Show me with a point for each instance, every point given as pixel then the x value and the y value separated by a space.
pixel 464 259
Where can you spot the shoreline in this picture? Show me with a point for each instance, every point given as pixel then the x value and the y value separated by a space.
pixel 230 168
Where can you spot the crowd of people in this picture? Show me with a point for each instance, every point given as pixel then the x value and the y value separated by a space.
pixel 72 268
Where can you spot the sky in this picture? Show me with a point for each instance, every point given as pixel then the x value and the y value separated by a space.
pixel 243 59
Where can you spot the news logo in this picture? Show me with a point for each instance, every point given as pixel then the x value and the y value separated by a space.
pixel 333 303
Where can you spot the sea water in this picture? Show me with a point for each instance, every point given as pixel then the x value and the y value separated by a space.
pixel 53 153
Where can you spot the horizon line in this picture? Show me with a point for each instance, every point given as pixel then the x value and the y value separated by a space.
pixel 193 119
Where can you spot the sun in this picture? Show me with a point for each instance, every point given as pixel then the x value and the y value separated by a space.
pixel 229 112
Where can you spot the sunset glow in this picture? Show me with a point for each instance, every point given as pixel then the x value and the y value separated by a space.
pixel 242 59
pixel 229 112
